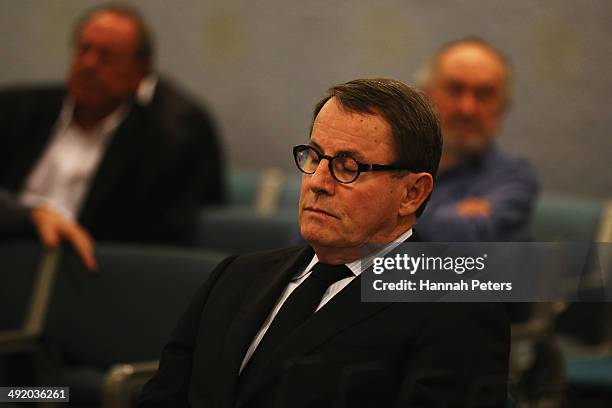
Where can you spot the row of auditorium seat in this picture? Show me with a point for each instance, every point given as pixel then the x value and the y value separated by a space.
pixel 557 216
pixel 266 201
pixel 79 328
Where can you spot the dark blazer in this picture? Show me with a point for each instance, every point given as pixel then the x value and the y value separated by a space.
pixel 349 354
pixel 14 217
pixel 163 162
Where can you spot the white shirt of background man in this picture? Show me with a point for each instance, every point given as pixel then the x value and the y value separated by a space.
pixel 67 167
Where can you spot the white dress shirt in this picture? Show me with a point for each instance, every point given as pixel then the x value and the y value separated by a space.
pixel 146 89
pixel 356 267
pixel 66 169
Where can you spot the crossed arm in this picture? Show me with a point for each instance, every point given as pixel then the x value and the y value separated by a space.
pixel 498 212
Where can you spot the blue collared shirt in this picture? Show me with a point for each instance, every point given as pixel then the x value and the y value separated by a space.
pixel 510 185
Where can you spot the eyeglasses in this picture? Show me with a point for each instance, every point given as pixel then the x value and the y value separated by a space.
pixel 343 167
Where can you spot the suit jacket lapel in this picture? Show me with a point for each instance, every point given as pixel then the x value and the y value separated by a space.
pixel 36 134
pixel 129 138
pixel 258 302
pixel 342 311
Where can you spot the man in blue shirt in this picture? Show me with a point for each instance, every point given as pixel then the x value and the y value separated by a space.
pixel 481 193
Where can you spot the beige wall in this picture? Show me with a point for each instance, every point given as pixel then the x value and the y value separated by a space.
pixel 261 65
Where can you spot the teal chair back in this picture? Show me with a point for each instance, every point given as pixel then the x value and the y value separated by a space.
pixel 125 313
pixel 240 230
pixel 243 187
pixel 19 262
pixel 290 194
pixel 560 217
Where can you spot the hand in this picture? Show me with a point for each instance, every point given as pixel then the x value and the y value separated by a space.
pixel 474 207
pixel 53 227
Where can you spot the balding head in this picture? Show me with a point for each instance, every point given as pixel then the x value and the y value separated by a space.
pixel 108 63
pixel 469 81
pixel 145 46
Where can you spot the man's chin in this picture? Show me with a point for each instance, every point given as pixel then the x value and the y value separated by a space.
pixel 465 146
pixel 86 100
pixel 314 236
pixel 310 237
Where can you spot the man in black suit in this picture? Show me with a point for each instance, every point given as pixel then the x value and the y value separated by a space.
pixel 287 328
pixel 124 170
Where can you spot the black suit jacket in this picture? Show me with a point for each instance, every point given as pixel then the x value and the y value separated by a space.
pixel 163 162
pixel 14 217
pixel 349 354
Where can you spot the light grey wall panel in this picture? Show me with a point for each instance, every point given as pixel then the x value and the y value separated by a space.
pixel 261 65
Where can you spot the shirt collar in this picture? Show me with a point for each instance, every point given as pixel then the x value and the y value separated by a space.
pixel 476 163
pixel 146 90
pixel 108 124
pixel 363 263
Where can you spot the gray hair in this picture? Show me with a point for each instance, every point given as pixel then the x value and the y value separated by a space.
pixel 426 74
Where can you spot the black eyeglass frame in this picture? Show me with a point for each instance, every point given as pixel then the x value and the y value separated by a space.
pixel 361 167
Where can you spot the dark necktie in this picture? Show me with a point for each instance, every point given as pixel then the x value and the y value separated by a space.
pixel 298 307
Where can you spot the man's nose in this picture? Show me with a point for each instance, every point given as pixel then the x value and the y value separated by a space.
pixel 322 180
pixel 88 59
pixel 467 103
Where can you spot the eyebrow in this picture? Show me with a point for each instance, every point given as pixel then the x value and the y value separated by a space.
pixel 354 154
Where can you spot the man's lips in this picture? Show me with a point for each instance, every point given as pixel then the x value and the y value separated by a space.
pixel 320 211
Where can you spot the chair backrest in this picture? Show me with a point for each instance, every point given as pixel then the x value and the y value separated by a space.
pixel 565 218
pixel 290 194
pixel 560 217
pixel 126 311
pixel 265 190
pixel 243 187
pixel 240 230
pixel 19 263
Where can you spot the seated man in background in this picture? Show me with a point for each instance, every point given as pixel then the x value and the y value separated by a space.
pixel 287 328
pixel 125 171
pixel 481 193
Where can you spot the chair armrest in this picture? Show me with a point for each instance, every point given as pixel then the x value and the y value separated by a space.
pixel 541 325
pixel 123 382
pixel 25 338
pixel 15 341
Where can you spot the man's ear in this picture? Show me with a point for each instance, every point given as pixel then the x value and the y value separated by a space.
pixel 417 188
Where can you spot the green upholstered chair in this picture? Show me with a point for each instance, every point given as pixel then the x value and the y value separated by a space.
pixel 290 194
pixel 242 185
pixel 240 230
pixel 26 280
pixel 264 190
pixel 124 313
pixel 561 217
pixel 19 264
